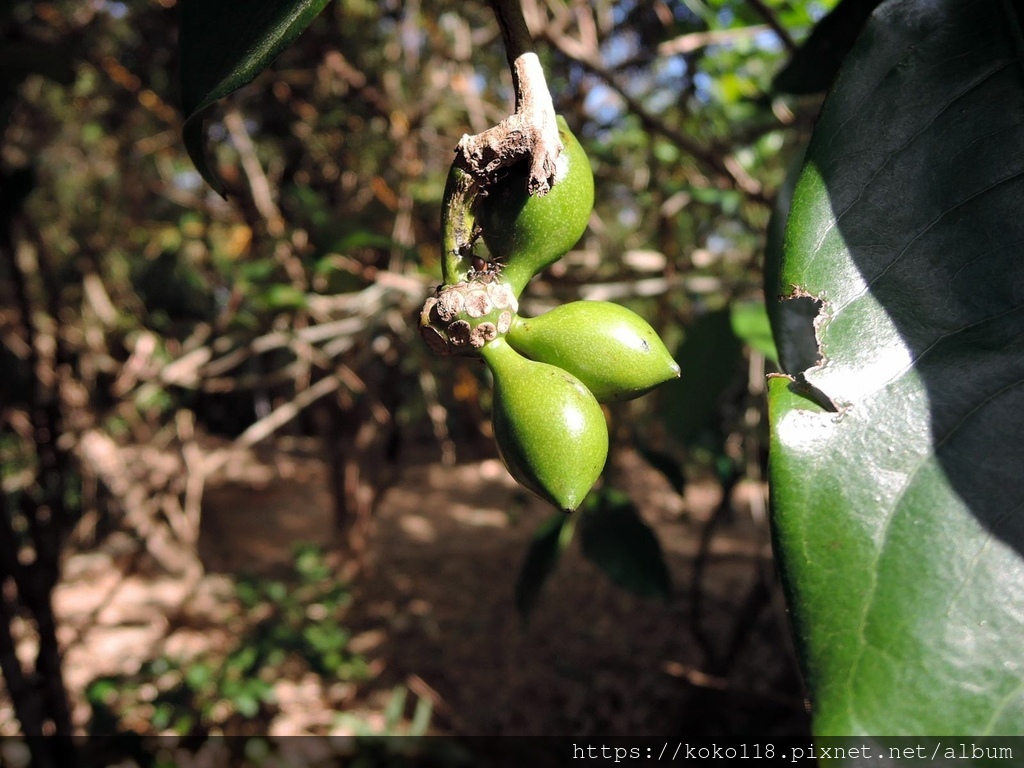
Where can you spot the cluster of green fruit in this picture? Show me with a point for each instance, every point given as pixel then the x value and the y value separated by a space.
pixel 550 372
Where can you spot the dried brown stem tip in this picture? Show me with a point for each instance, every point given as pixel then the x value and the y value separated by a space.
pixel 530 132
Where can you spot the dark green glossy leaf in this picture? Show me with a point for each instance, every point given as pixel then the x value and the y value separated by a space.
pixel 792 318
pixel 549 540
pixel 813 67
pixel 708 361
pixel 615 539
pixel 899 519
pixel 224 44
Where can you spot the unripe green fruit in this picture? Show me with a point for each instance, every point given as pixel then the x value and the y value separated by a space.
pixel 611 349
pixel 526 233
pixel 550 430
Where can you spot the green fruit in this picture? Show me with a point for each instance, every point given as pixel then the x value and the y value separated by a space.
pixel 611 349
pixel 550 430
pixel 526 233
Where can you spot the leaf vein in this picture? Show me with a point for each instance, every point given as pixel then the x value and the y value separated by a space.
pixel 945 107
pixel 1016 174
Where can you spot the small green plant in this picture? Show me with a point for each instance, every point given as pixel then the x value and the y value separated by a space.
pixel 299 622
pixel 393 718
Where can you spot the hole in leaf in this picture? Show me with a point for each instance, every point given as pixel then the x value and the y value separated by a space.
pixel 795 327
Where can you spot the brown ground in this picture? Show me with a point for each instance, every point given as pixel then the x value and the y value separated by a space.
pixel 434 610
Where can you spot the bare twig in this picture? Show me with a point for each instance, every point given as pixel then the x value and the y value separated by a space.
pixel 694 41
pixel 262 197
pixel 265 207
pixel 421 688
pixel 43 707
pixel 772 21
pixel 722 165
pixel 196 476
pixel 700 679
pixel 438 415
pixel 707 643
pixel 355 80
pixel 276 419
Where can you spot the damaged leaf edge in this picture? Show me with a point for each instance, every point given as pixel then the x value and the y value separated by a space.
pixel 799 384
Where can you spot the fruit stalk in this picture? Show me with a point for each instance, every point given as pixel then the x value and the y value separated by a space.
pixel 532 129
pixel 514 31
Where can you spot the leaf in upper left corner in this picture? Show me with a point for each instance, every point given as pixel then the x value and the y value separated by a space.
pixel 224 44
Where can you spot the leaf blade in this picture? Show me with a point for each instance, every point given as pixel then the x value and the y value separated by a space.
pixel 620 543
pixel 545 550
pixel 899 520
pixel 708 360
pixel 814 65
pixel 750 323
pixel 224 45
